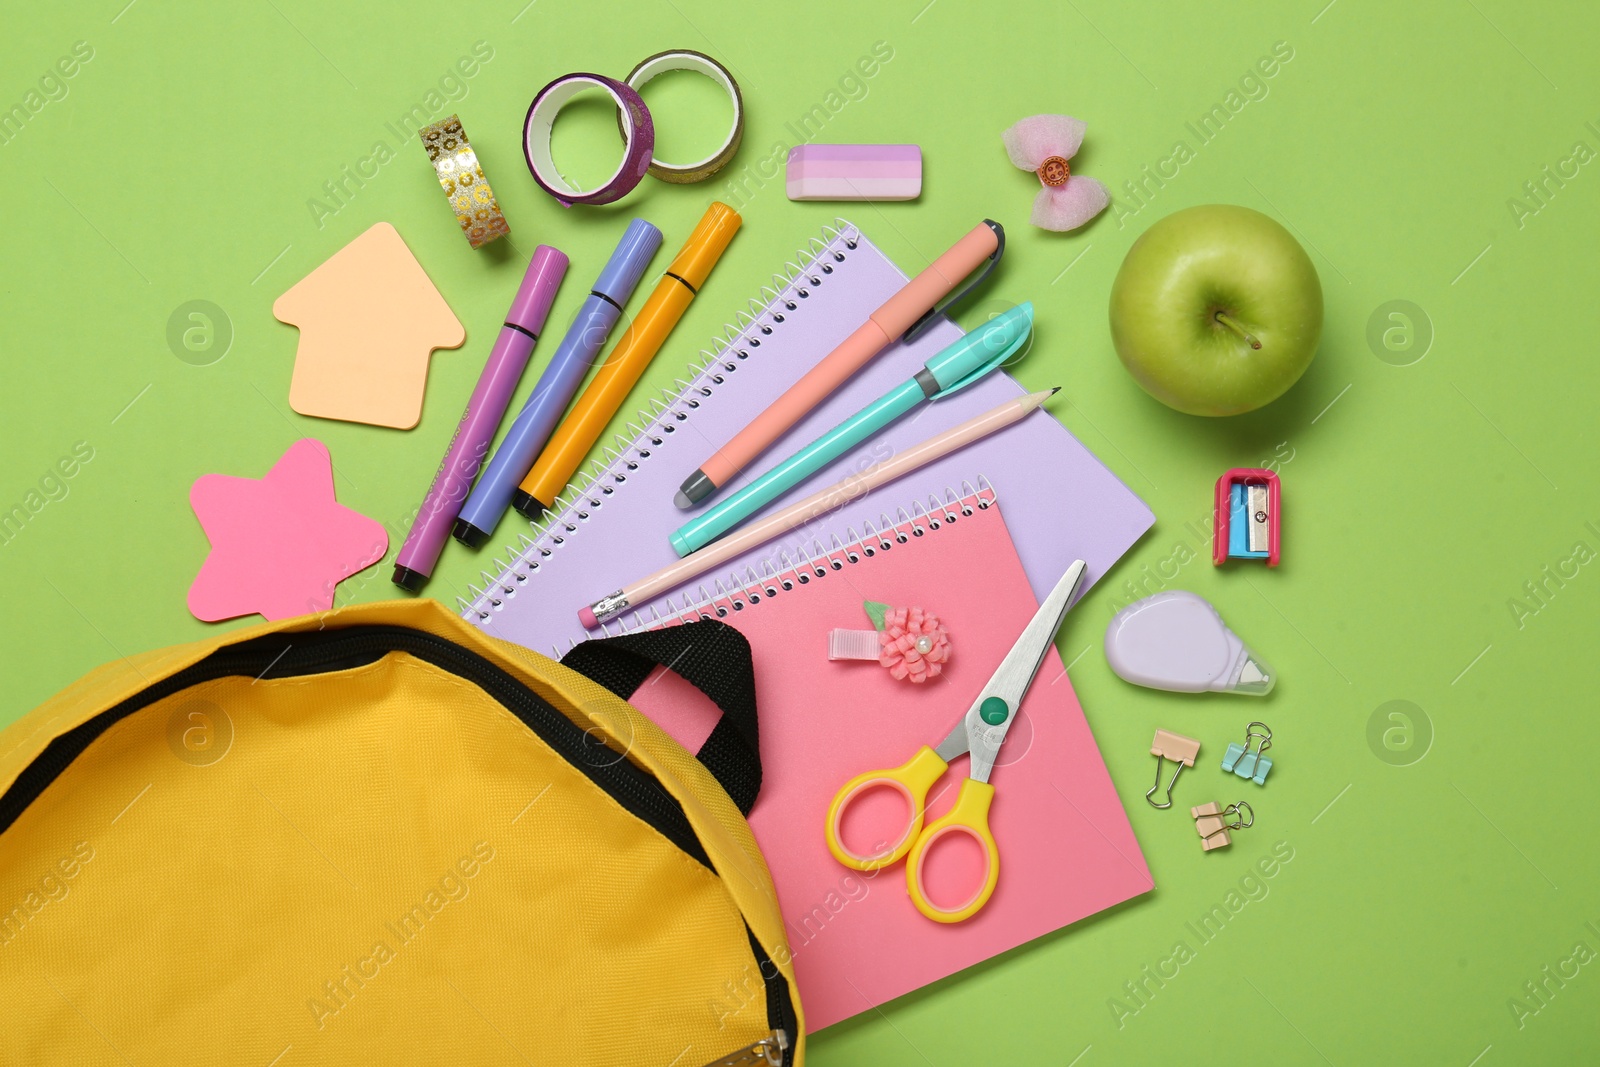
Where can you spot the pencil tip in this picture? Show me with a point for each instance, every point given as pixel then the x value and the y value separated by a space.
pixel 1055 389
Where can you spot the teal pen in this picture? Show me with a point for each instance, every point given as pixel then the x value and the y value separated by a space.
pixel 953 369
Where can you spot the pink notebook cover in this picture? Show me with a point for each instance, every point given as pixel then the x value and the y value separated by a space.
pixel 612 527
pixel 1066 849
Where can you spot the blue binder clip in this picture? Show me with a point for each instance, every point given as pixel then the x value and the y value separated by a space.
pixel 1248 762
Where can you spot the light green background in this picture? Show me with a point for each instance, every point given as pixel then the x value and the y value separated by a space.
pixel 1419 499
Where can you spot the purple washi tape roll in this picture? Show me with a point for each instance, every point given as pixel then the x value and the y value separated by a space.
pixel 638 135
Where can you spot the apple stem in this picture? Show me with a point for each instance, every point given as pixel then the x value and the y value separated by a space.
pixel 1228 321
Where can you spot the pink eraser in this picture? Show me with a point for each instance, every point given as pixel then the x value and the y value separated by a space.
pixel 855 172
pixel 586 616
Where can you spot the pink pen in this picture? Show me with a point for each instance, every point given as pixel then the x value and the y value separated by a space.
pixel 905 314
pixel 490 398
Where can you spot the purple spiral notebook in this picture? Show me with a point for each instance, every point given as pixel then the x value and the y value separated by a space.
pixel 610 527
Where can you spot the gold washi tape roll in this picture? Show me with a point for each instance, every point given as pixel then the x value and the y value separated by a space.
pixel 699 63
pixel 463 182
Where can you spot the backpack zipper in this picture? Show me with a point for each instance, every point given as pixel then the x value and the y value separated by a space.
pixel 780 1010
pixel 290 655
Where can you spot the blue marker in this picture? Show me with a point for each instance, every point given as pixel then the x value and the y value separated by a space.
pixel 956 367
pixel 539 416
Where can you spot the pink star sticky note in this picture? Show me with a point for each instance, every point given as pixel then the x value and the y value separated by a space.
pixel 279 544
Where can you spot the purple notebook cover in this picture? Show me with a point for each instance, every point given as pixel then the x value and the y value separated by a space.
pixel 611 526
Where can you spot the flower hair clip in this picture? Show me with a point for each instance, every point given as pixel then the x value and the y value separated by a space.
pixel 1045 144
pixel 911 643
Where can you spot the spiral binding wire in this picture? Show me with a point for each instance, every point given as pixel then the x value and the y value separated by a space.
pixel 648 430
pixel 806 563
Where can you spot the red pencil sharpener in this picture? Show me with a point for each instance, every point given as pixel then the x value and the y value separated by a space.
pixel 1246 516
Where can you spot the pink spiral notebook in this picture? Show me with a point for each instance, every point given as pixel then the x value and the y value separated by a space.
pixel 1066 849
pixel 611 527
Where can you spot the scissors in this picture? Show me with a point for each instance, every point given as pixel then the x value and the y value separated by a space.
pixel 979 734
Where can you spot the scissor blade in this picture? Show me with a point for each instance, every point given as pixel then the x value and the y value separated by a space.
pixel 1015 675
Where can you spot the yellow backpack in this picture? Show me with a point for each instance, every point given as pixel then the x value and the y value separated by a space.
pixel 379 836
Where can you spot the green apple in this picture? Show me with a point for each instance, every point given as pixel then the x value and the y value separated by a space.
pixel 1217 310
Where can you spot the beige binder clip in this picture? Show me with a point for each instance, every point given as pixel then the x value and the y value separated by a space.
pixel 1180 750
pixel 1212 823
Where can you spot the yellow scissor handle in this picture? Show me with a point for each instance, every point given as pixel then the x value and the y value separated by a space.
pixel 911 780
pixel 969 816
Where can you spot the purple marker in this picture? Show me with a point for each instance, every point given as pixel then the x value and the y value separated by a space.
pixel 491 396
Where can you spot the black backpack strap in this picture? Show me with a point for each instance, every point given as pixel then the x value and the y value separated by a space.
pixel 711 656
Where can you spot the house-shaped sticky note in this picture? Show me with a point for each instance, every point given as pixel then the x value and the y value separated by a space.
pixel 369 318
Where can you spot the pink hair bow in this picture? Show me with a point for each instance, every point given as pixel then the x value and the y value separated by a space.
pixel 1044 144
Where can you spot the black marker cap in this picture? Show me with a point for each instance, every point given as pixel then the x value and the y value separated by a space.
pixel 409 580
pixel 469 534
pixel 526 504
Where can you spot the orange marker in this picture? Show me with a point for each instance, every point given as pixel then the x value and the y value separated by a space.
pixel 583 425
pixel 905 314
